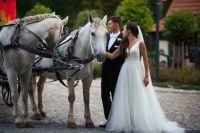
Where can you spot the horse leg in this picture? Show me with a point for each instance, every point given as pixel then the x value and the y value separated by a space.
pixel 25 82
pixel 86 93
pixel 12 79
pixel 71 99
pixel 40 87
pixel 31 92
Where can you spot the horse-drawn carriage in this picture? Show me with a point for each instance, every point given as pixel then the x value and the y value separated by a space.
pixel 5 89
pixel 86 43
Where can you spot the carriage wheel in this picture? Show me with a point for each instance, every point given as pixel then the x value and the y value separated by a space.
pixel 6 93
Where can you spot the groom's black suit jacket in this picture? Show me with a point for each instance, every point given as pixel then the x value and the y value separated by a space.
pixel 109 75
pixel 109 67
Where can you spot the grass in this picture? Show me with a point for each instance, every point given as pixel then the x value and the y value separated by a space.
pixel 176 85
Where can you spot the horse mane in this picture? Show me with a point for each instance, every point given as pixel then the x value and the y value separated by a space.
pixel 34 19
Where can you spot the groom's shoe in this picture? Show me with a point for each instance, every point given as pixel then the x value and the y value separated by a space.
pixel 102 126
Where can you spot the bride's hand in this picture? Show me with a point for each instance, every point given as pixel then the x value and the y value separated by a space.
pixel 146 81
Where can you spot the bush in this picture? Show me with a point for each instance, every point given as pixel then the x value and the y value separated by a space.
pixel 182 76
pixel 82 17
pixel 97 71
pixel 193 78
pixel 38 9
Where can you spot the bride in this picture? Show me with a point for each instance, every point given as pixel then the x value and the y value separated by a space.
pixel 135 106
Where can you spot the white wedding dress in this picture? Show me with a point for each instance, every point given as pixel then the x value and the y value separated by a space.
pixel 135 108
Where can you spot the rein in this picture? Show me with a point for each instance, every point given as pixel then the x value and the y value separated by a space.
pixel 1 26
pixel 43 50
pixel 70 51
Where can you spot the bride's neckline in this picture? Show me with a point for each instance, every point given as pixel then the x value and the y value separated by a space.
pixel 133 43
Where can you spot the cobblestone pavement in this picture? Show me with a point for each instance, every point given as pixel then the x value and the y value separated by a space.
pixel 179 105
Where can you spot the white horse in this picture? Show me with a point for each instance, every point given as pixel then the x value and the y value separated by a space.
pixel 91 39
pixel 18 63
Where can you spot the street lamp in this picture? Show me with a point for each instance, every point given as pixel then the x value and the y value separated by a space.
pixel 157 39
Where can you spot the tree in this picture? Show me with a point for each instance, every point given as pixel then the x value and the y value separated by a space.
pixel 82 17
pixel 197 41
pixel 198 27
pixel 38 9
pixel 61 7
pixel 180 26
pixel 107 7
pixel 136 11
pixel 69 7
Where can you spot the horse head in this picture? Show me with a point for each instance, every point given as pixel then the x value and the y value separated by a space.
pixel 55 32
pixel 98 36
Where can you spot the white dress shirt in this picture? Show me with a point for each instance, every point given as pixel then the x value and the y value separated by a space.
pixel 113 37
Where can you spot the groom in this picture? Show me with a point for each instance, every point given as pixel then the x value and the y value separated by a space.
pixel 111 68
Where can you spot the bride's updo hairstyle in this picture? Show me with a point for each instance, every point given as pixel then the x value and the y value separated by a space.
pixel 133 28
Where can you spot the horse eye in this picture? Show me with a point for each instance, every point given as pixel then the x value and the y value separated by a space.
pixel 92 33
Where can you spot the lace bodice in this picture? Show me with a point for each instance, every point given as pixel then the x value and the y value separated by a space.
pixel 133 52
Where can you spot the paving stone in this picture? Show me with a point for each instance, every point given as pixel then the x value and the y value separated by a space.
pixel 182 106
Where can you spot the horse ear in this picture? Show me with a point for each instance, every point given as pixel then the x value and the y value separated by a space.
pixel 90 18
pixel 65 20
pixel 105 19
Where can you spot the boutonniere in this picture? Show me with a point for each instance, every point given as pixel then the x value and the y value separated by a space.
pixel 119 40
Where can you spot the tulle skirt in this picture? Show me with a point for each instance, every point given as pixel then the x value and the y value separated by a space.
pixel 135 108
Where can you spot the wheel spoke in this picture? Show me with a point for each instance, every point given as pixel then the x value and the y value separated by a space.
pixel 8 97
pixel 4 94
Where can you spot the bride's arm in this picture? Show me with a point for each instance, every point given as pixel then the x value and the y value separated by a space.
pixel 113 55
pixel 145 60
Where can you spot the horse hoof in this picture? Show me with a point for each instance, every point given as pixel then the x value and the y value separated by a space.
pixel 71 125
pixel 19 122
pixel 43 114
pixel 37 116
pixel 29 124
pixel 19 125
pixel 89 125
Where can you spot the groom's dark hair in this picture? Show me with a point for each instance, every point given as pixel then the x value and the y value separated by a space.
pixel 115 19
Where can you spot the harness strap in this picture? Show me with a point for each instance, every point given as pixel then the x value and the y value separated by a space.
pixel 74 38
pixel 82 61
pixel 1 26
pixel 36 36
pixel 15 43
pixel 59 78
pixel 29 49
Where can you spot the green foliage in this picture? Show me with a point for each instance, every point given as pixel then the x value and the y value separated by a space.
pixel 3 19
pixel 181 76
pixel 69 7
pixel 106 6
pixel 180 25
pixel 176 85
pixel 82 17
pixel 198 27
pixel 198 21
pixel 136 11
pixel 88 4
pixel 97 71
pixel 38 9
